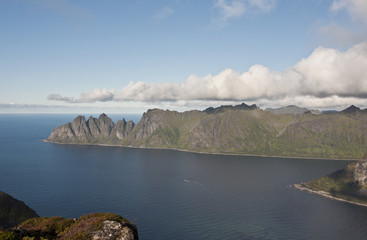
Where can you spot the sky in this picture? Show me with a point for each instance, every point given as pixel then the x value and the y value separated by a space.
pixel 127 56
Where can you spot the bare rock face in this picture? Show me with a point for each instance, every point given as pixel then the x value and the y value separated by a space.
pixel 112 230
pixel 148 124
pixel 63 133
pixel 93 127
pixel 80 128
pixel 123 128
pixel 105 124
pixel 360 172
pixel 95 130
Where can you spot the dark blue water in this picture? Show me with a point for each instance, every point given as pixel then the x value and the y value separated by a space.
pixel 171 194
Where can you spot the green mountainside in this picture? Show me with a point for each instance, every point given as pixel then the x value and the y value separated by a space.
pixel 240 129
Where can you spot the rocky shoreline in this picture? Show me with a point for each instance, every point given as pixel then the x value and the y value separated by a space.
pixel 302 187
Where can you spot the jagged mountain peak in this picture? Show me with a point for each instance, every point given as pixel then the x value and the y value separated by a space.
pixel 351 109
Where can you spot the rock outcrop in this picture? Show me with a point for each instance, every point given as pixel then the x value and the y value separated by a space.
pixel 348 184
pixel 240 129
pixel 13 211
pixel 96 226
pixel 359 170
pixel 112 230
pixel 94 130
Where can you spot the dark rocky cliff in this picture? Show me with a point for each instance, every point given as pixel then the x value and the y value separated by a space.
pixel 13 211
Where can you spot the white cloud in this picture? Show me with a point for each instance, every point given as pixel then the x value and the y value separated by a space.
pixel 326 76
pixel 58 97
pixel 231 9
pixel 357 9
pixel 101 95
pixel 97 95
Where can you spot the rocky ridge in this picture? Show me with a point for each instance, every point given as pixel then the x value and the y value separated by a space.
pixel 240 129
pixel 94 130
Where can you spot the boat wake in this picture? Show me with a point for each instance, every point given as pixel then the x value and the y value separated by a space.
pixel 196 183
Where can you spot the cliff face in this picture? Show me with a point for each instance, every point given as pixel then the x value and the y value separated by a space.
pixel 95 130
pixel 240 129
pixel 13 211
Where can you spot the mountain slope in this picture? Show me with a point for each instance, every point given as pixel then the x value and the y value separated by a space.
pixel 13 211
pixel 348 184
pixel 240 129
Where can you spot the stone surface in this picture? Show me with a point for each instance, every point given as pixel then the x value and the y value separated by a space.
pixel 112 230
pixel 360 172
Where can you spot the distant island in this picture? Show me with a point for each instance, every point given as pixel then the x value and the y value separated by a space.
pixel 347 185
pixel 242 129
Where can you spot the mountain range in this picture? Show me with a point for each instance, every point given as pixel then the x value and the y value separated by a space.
pixel 242 129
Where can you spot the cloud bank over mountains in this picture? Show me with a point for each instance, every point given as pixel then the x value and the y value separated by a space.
pixel 326 76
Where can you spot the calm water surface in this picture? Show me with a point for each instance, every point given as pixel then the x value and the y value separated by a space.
pixel 171 194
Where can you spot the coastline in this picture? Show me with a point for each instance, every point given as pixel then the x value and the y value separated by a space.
pixel 208 153
pixel 326 194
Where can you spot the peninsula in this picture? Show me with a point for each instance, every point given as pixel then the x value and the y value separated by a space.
pixel 348 184
pixel 242 129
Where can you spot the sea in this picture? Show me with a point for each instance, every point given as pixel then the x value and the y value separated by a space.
pixel 170 194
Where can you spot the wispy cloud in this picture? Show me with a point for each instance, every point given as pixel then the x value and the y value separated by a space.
pixel 357 9
pixel 326 74
pixel 58 97
pixel 163 13
pixel 97 95
pixel 231 9
pixel 340 35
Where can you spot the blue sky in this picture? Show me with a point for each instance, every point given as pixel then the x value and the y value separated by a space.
pixel 128 56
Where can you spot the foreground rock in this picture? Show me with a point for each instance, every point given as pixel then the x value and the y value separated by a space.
pixel 101 226
pixel 13 211
pixel 348 184
pixel 240 129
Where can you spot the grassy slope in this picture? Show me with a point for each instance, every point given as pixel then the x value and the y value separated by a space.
pixel 60 228
pixel 256 132
pixel 340 184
